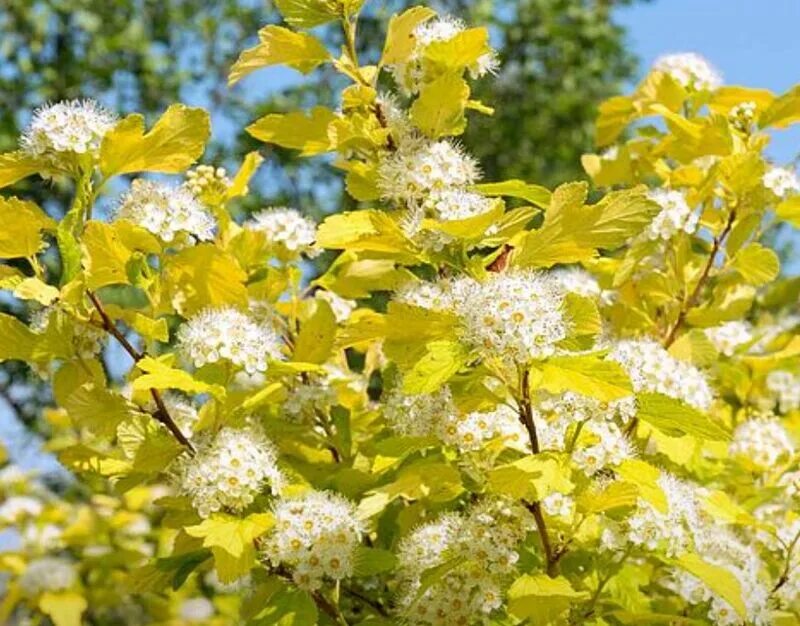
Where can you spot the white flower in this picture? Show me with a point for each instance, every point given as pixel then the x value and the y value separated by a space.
pixel 42 537
pixel 196 609
pixel 653 369
pixel 341 307
pixel 418 168
pixel 729 336
pixel 743 115
pixel 690 70
pixel 306 400
pixel 515 316
pixel 785 386
pixel 675 215
pixel 227 333
pixel 47 574
pixel 316 535
pixel 559 505
pixel 457 204
pixel 577 280
pixel 208 183
pixel 165 211
pixel 229 470
pixel 67 127
pixel 602 445
pixel 763 442
pixel 471 431
pixel 443 295
pixel 781 181
pixel 418 415
pixel 15 508
pixel 287 228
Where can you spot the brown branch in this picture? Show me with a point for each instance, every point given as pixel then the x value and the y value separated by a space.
pixel 161 413
pixel 373 604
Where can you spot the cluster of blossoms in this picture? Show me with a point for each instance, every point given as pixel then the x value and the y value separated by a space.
pixel 517 316
pixel 47 574
pixel 410 74
pixel 208 183
pixel 167 212
pixel 194 610
pixel 675 215
pixel 486 539
pixel 743 115
pixel 436 415
pixel 577 280
pixel 762 442
pixel 690 70
pixel 317 535
pixel 781 181
pixel 16 508
pixel 652 369
pixel 443 295
pixel 728 337
pixel 73 126
pixel 229 470
pixel 227 333
pixel 785 387
pixel 286 228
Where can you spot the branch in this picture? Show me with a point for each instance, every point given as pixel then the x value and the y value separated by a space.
pixel 161 413
pixel 373 604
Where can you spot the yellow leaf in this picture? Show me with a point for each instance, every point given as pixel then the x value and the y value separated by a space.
pixel 586 375
pixel 21 226
pixel 96 409
pixel 727 97
pixel 532 477
pixel 280 46
pixel 515 188
pixel 176 141
pixel 104 256
pixel 17 341
pixel 645 477
pixel 439 110
pixel 718 579
pixel 400 41
pixel 783 111
pixel 298 131
pixel 35 289
pixel 159 375
pixel 457 53
pixel 64 608
pixel 315 340
pixel 239 186
pixel 539 599
pixel 442 360
pixel 757 265
pixel 15 166
pixel 308 13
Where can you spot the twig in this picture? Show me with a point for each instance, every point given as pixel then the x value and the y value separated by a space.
pixel 373 604
pixel 161 413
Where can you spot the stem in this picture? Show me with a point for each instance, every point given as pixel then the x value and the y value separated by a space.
pixel 784 577
pixel 161 413
pixel 526 417
pixel 373 604
pixel 612 571
pixel 695 295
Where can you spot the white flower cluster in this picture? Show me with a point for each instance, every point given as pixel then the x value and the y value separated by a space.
pixel 652 369
pixel 167 212
pixel 785 387
pixel 457 204
pixel 690 70
pixel 208 183
pixel 286 228
pixel 486 537
pixel 675 215
pixel 443 295
pixel 227 333
pixel 316 535
pixel 729 336
pixel 435 415
pixel 197 609
pixel 743 115
pixel 515 316
pixel 16 508
pixel 410 74
pixel 762 441
pixel 73 126
pixel 47 574
pixel 781 181
pixel 305 401
pixel 577 280
pixel 229 470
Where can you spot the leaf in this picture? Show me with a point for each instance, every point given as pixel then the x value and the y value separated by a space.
pixel 315 340
pixel 278 603
pixel 21 226
pixel 176 141
pixel 14 166
pixel 784 110
pixel 105 257
pixel 587 375
pixel 400 41
pixel 372 561
pixel 645 477
pixel 532 478
pixel 572 232
pixel 64 607
pixel 280 46
pixel 308 13
pixel 757 265
pixel 96 409
pixel 515 188
pixel 617 494
pixel 677 418
pixel 35 289
pixel 457 53
pixel 17 341
pixel 442 359
pixel 158 375
pixel 239 186
pixel 541 599
pixel 718 579
pixel 439 109
pixel 298 131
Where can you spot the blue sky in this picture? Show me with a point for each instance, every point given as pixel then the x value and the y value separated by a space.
pixel 752 42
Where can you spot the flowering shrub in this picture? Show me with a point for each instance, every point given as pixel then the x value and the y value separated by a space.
pixel 500 404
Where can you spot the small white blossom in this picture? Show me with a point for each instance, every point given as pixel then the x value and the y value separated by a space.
pixel 167 212
pixel 196 609
pixel 16 508
pixel 577 280
pixel 442 295
pixel 762 441
pixel 72 126
pixel 690 70
pixel 457 204
pixel 675 215
pixel 743 115
pixel 729 336
pixel 785 387
pixel 559 505
pixel 602 445
pixel 47 574
pixel 781 181
pixel 286 228
pixel 227 333
pixel 229 470
pixel 316 535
